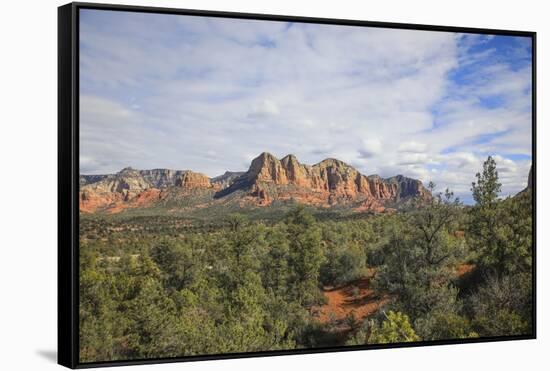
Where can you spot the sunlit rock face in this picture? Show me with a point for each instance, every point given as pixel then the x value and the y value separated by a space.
pixel 328 183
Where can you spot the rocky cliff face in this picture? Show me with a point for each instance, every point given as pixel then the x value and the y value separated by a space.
pixel 226 179
pixel 88 179
pixel 331 182
pixel 529 183
pixel 191 180
pixel 130 186
pixel 161 178
pixel 328 183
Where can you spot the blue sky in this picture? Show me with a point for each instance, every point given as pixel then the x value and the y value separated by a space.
pixel 210 94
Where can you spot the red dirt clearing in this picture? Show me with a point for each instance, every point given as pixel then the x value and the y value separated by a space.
pixel 464 269
pixel 359 300
pixel 356 298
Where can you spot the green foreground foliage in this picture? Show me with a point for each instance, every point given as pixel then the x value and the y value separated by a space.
pixel 165 287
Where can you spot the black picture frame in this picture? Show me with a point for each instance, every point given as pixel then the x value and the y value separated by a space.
pixel 68 178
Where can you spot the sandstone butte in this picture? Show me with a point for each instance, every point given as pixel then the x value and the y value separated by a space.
pixel 328 183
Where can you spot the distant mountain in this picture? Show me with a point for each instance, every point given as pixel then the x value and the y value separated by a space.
pixel 268 181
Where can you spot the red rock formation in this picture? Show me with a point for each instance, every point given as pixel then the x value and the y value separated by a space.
pixel 267 168
pixel 382 190
pixel 296 173
pixel 191 180
pixel 131 188
pixel 261 195
pixel 327 183
pixel 91 201
pixel 331 182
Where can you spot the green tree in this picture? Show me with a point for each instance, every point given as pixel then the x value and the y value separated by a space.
pixel 98 322
pixel 503 306
pixel 487 187
pixel 236 221
pixel 515 235
pixel 152 330
pixel 419 257
pixel 180 263
pixel 275 270
pixel 305 255
pixel 444 325
pixel 345 254
pixel 499 231
pixel 396 328
pixel 484 222
pixel 433 226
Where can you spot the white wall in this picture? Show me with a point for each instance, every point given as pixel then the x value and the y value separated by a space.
pixel 28 58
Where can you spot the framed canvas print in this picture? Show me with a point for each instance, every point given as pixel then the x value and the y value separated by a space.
pixel 237 185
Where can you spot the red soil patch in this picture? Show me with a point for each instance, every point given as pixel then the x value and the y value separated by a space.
pixel 459 234
pixel 355 299
pixel 463 269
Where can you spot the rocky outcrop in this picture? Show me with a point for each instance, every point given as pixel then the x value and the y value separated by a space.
pixel 88 179
pixel 296 173
pixel 339 179
pixel 226 179
pixel 191 180
pixel 107 190
pixel 161 178
pixel 268 179
pixel 266 168
pixel 529 187
pixel 134 187
pixel 91 201
pixel 407 187
pixel 331 181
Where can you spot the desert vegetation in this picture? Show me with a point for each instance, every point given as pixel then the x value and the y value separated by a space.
pixel 161 285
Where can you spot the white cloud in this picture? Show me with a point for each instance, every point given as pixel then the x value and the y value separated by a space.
pixel 214 93
pixel 414 159
pixel 371 147
pixel 412 147
pixel 264 109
